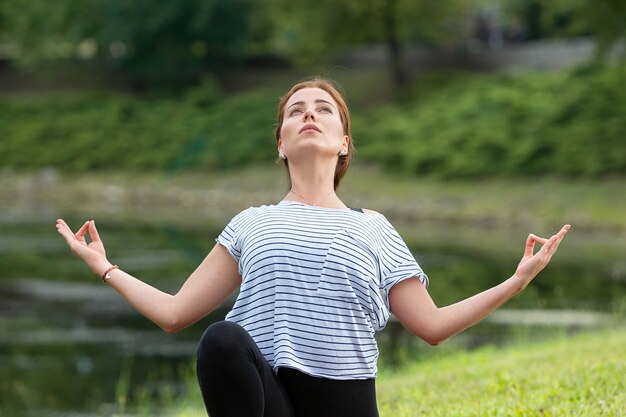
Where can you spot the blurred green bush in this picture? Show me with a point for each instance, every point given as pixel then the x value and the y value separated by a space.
pixel 459 125
pixel 83 132
pixel 449 125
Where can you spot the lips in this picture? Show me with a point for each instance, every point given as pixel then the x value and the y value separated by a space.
pixel 309 127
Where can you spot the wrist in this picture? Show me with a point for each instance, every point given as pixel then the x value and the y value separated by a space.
pixel 518 283
pixel 106 276
pixel 100 267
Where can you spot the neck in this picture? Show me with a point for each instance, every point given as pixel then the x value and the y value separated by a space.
pixel 313 186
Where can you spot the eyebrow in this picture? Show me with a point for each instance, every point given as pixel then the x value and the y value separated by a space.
pixel 319 100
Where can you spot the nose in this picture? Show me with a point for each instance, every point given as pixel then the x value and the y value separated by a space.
pixel 308 114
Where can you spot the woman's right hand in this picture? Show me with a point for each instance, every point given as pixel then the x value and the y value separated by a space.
pixel 92 253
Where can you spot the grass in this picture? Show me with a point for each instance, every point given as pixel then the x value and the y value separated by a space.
pixel 575 376
pixel 581 375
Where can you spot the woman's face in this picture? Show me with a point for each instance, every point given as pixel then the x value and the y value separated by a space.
pixel 311 123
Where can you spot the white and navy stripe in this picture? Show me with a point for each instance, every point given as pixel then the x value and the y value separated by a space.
pixel 315 284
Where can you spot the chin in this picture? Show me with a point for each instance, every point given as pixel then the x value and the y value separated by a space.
pixel 311 151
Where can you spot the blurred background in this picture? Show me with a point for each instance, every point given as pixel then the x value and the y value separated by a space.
pixel 476 122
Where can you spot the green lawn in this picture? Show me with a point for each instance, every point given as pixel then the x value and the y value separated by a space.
pixel 580 375
pixel 577 376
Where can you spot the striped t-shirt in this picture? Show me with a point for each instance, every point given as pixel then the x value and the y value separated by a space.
pixel 315 284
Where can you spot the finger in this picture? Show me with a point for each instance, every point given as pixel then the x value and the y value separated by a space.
pixel 93 232
pixel 554 247
pixel 62 228
pixel 80 235
pixel 530 245
pixel 558 240
pixel 547 248
pixel 67 235
pixel 563 230
pixel 555 240
pixel 70 239
pixel 65 229
pixel 539 239
pixel 61 223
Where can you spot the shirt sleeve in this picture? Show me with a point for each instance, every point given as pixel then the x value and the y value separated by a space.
pixel 396 261
pixel 232 235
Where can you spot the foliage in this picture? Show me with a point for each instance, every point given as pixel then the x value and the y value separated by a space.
pixel 604 19
pixel 85 132
pixel 146 40
pixel 463 126
pixel 393 23
pixel 338 24
pixel 155 44
pixel 451 125
pixel 152 42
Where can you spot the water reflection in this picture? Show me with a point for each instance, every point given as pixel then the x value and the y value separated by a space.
pixel 69 342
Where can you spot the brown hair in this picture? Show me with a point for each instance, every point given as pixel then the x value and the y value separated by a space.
pixel 343 162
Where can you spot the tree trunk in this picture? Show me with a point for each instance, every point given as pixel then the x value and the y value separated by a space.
pixel 399 73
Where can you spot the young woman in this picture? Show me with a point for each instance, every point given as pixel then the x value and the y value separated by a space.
pixel 317 279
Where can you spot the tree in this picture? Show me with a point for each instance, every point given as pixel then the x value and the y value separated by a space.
pixel 605 20
pixel 307 33
pixel 147 40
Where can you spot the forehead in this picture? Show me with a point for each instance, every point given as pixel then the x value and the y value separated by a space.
pixel 309 95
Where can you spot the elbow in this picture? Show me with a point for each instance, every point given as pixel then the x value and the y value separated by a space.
pixel 434 341
pixel 172 326
pixel 174 320
pixel 432 336
pixel 433 330
pixel 170 329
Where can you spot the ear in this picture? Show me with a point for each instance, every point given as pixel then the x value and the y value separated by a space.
pixel 279 144
pixel 346 143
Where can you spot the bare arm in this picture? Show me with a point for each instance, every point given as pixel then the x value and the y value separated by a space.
pixel 413 306
pixel 205 289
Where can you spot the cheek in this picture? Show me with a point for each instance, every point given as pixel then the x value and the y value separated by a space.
pixel 284 131
pixel 339 128
pixel 285 127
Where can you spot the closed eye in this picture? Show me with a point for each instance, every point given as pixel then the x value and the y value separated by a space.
pixel 325 110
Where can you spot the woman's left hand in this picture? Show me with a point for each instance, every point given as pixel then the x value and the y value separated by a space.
pixel 532 263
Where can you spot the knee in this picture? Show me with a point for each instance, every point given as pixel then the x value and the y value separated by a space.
pixel 221 340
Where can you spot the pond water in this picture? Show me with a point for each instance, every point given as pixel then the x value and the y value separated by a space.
pixel 70 345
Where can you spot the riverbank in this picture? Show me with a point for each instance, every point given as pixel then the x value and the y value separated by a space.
pixel 488 203
pixel 493 213
pixel 568 376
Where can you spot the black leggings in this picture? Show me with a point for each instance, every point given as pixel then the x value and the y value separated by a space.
pixel 236 381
